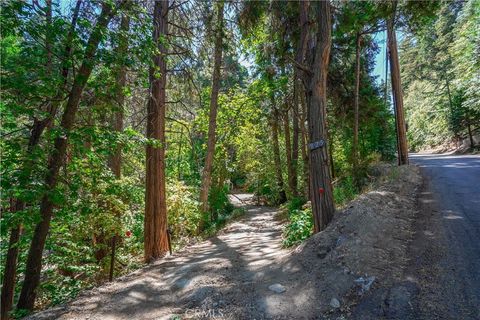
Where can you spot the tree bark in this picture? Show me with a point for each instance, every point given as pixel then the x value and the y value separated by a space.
pixel 397 93
pixel 10 272
pixel 320 180
pixel 155 223
pixel 295 137
pixel 121 78
pixel 355 154
pixel 306 162
pixel 332 164
pixel 470 134
pixel 299 60
pixel 282 196
pixel 212 124
pixel 300 75
pixel 56 160
pixel 288 153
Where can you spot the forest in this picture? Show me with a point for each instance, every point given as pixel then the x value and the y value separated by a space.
pixel 126 125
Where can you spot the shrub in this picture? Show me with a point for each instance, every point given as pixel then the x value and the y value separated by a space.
pixel 183 213
pixel 344 191
pixel 299 228
pixel 295 204
pixel 218 200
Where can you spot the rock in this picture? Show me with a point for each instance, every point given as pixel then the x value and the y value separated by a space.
pixel 181 283
pixel 334 303
pixel 321 254
pixel 341 239
pixel 365 283
pixel 323 251
pixel 277 288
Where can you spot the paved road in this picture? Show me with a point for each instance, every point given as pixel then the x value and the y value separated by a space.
pixel 446 248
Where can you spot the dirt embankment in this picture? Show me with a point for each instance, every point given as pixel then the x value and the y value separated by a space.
pixel 362 253
pixel 459 146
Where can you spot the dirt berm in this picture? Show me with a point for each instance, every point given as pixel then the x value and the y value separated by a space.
pixel 354 268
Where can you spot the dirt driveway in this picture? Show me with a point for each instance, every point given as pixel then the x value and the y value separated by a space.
pixel 354 269
pixel 206 280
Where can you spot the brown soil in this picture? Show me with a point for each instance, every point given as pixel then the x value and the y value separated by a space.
pixel 228 276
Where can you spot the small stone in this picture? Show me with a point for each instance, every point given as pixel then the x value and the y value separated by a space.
pixel 341 239
pixel 322 254
pixel 365 283
pixel 277 288
pixel 181 283
pixel 334 303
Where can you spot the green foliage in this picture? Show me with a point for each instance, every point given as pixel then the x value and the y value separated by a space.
pixel 299 228
pixel 441 66
pixel 218 200
pixel 344 191
pixel 59 289
pixel 183 213
pixel 295 204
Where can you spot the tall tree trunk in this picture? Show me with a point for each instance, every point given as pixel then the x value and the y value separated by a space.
pixel 470 134
pixel 155 224
pixel 397 93
pixel 295 137
pixel 9 276
pixel 9 279
pixel 212 124
pixel 303 129
pixel 288 152
pixel 282 196
pixel 56 160
pixel 121 78
pixel 10 272
pixel 332 164
pixel 320 180
pixel 355 155
pixel 303 24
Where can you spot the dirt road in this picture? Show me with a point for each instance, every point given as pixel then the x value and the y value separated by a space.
pixel 206 280
pixel 243 273
pixel 446 249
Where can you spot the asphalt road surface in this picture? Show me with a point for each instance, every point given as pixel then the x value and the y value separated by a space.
pixel 445 252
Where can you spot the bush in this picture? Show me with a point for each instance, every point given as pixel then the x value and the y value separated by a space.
pixel 295 204
pixel 183 213
pixel 218 200
pixel 344 191
pixel 299 228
